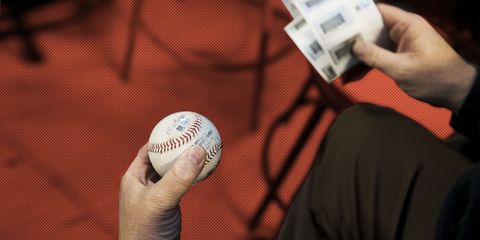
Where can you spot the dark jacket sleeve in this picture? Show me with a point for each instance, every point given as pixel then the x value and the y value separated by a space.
pixel 460 215
pixel 467 120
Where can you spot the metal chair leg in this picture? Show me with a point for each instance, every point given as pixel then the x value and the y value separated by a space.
pixel 31 53
pixel 132 35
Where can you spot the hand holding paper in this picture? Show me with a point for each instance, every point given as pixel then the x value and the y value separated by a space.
pixel 325 31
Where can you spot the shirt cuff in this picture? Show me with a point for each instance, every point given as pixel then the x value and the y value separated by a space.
pixel 467 118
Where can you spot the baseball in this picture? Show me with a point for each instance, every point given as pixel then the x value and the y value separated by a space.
pixel 177 132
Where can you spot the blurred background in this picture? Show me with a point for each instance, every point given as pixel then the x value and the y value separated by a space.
pixel 83 82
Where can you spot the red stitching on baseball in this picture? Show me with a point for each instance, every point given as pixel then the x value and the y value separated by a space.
pixel 213 151
pixel 184 138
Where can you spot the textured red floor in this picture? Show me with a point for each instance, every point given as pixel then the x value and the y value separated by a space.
pixel 70 127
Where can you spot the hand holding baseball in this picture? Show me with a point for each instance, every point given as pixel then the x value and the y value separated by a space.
pixel 424 65
pixel 149 206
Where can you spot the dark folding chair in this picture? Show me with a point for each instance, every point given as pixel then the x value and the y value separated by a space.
pixel 17 10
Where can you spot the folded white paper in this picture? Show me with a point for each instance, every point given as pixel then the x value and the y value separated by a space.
pixel 325 31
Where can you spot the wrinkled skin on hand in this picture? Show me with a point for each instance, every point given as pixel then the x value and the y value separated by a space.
pixel 423 65
pixel 149 206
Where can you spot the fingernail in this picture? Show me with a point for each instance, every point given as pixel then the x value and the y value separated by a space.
pixel 360 48
pixel 197 154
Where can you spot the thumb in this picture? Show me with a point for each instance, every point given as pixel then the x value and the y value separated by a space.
pixel 181 176
pixel 377 57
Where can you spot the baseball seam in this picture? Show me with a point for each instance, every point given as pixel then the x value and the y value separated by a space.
pixel 213 151
pixel 182 139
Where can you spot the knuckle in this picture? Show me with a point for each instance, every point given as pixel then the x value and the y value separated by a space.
pixel 124 180
pixel 141 151
pixel 402 71
pixel 124 184
pixel 398 30
pixel 373 60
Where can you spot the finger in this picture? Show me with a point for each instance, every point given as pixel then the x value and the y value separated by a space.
pixel 141 167
pixel 181 176
pixel 393 15
pixel 377 57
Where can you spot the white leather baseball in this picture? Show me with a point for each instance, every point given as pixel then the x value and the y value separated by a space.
pixel 177 132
